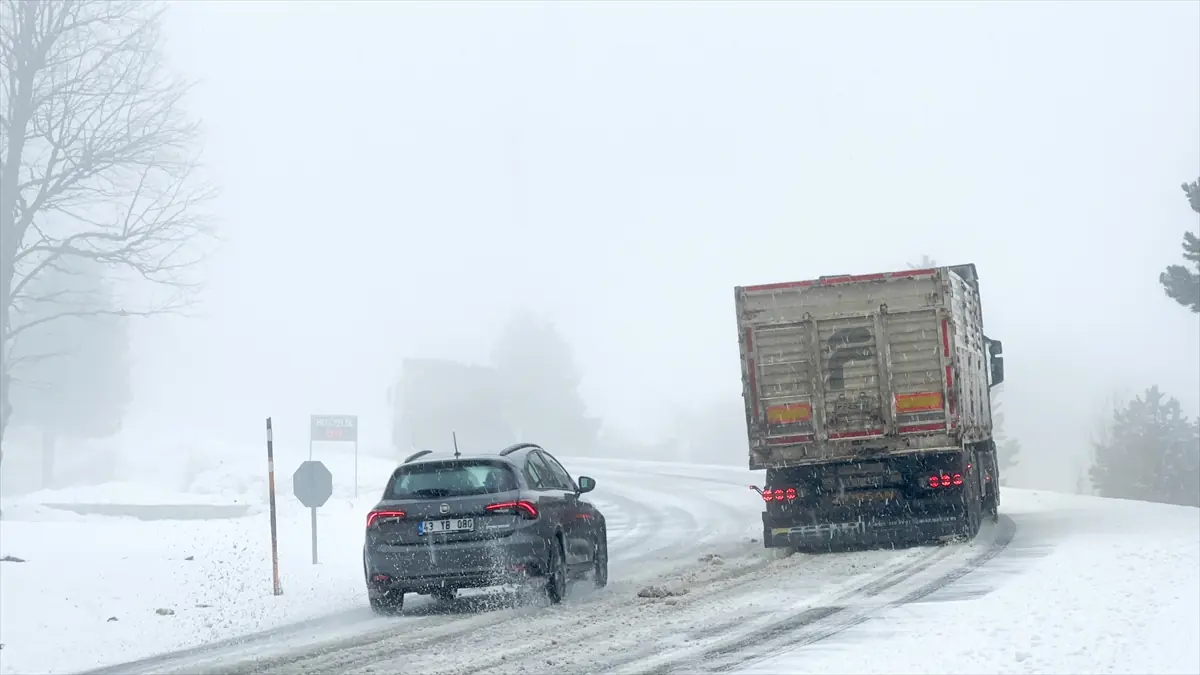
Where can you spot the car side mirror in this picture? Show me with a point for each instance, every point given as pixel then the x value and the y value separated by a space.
pixel 586 484
pixel 996 361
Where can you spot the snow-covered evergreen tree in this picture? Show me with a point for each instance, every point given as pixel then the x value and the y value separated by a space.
pixel 1152 454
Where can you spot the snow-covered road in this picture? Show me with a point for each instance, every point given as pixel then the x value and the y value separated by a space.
pixel 1060 584
pixel 662 520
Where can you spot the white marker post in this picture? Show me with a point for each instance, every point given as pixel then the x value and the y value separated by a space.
pixel 278 590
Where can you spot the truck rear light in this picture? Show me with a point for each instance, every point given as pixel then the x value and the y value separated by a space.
pixel 945 480
pixel 524 508
pixel 375 516
pixel 779 494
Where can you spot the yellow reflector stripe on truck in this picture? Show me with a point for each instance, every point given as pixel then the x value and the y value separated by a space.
pixel 789 413
pixel 928 400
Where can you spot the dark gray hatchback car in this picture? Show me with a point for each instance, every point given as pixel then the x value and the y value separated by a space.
pixel 482 520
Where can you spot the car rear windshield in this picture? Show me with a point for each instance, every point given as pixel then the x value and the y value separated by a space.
pixel 451 479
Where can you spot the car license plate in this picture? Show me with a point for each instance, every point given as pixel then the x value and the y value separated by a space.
pixel 446 525
pixel 867 496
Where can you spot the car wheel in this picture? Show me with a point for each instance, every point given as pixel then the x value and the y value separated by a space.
pixel 600 563
pixel 388 603
pixel 556 573
pixel 445 594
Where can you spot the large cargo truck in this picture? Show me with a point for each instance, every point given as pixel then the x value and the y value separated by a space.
pixel 868 404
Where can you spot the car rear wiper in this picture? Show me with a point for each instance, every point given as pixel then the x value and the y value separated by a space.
pixel 432 492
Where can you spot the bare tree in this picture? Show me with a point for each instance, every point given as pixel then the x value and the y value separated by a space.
pixel 97 161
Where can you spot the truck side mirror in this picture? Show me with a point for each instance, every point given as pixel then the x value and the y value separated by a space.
pixel 996 361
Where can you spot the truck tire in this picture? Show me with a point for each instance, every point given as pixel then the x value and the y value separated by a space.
pixel 991 501
pixel 991 493
pixel 972 511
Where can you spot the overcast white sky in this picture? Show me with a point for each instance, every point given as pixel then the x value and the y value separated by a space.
pixel 397 177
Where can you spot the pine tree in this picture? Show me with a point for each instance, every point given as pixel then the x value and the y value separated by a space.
pixel 1180 283
pixel 539 382
pixel 1152 454
pixel 1007 449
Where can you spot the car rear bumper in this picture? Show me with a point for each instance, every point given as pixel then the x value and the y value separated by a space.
pixel 473 564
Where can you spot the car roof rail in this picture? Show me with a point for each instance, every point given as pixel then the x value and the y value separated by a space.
pixel 415 455
pixel 515 447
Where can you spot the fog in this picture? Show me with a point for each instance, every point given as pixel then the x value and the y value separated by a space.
pixel 398 178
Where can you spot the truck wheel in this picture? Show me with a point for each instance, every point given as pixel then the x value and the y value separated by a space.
pixel 991 493
pixel 973 512
pixel 991 505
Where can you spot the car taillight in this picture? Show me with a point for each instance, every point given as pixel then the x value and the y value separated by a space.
pixel 945 480
pixel 526 509
pixel 779 494
pixel 382 515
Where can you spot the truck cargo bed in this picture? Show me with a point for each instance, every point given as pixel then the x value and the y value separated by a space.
pixel 847 367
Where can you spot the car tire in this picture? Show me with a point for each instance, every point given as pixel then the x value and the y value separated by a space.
pixel 556 573
pixel 600 562
pixel 388 603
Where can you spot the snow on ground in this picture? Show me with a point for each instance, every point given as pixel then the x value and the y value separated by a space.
pixel 97 582
pixel 82 572
pixel 1088 586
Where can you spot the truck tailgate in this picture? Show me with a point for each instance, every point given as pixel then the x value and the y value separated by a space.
pixel 844 361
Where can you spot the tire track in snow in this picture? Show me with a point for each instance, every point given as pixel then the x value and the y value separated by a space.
pixel 750 630
pixel 819 623
pixel 627 628
pixel 670 527
pixel 640 637
pixel 658 527
pixel 533 643
pixel 634 531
